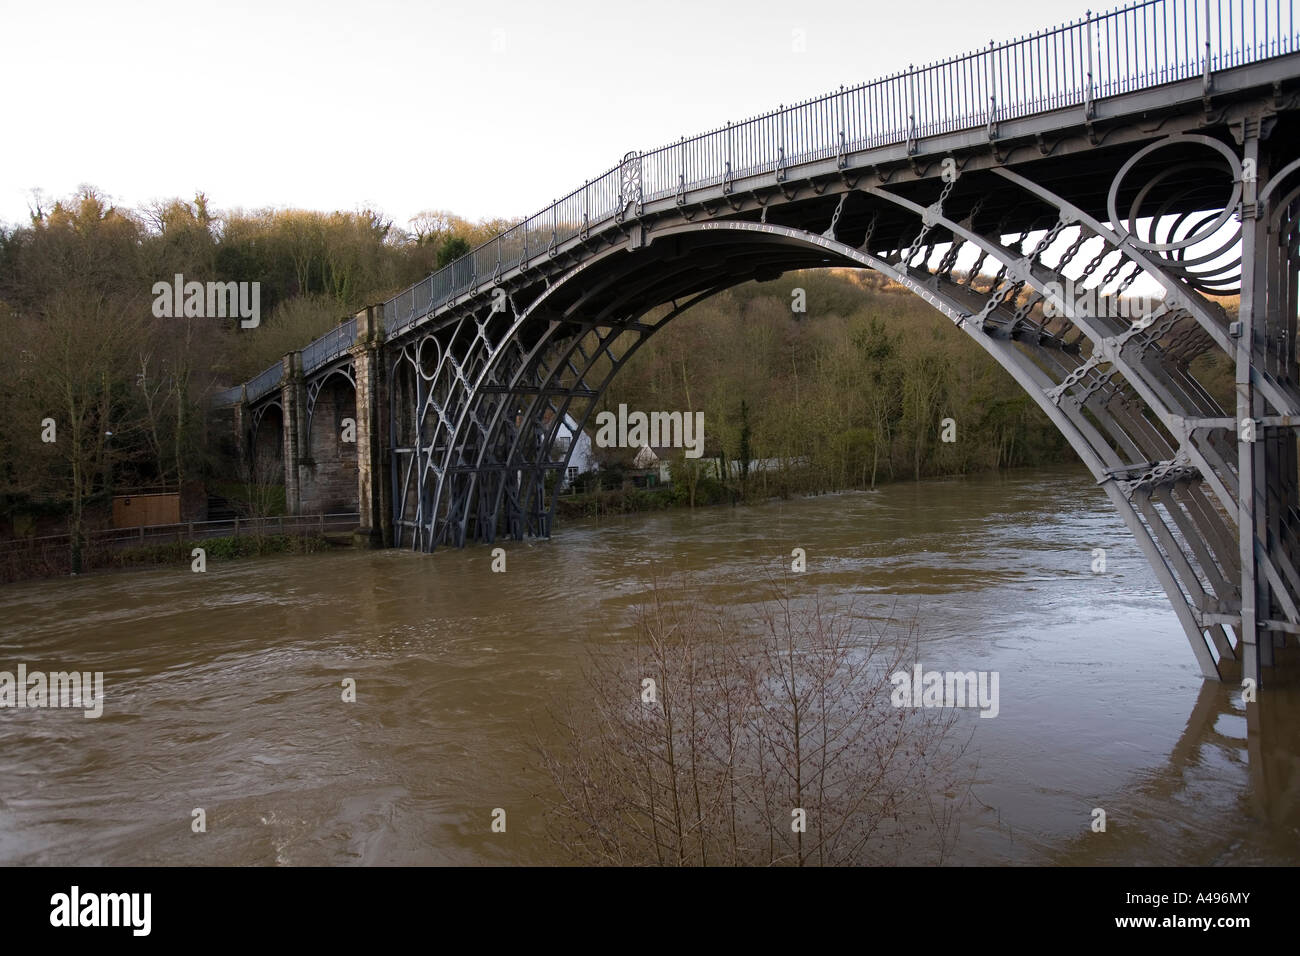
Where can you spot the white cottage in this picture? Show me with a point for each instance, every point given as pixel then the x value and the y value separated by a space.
pixel 582 460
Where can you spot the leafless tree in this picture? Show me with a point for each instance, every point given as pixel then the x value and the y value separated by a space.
pixel 773 741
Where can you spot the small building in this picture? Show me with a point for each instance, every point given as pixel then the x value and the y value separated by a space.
pixel 651 467
pixel 143 511
pixel 152 508
pixel 582 460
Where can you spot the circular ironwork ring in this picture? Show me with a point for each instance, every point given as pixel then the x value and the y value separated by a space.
pixel 1123 227
pixel 421 359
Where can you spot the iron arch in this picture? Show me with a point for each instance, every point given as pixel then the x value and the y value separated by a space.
pixel 1138 457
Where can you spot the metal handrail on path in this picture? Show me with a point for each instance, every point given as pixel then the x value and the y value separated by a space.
pixel 190 531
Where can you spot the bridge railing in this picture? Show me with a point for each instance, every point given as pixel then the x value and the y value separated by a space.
pixel 329 346
pixel 265 382
pixel 315 354
pixel 228 396
pixel 1142 45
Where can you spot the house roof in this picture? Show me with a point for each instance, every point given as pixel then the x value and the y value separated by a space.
pixel 647 457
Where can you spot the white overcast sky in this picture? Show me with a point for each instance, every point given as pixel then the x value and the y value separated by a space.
pixel 482 108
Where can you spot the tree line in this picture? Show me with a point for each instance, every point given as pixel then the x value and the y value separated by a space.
pixel 851 392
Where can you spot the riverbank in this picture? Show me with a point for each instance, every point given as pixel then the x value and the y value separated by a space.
pixel 50 561
pixel 708 491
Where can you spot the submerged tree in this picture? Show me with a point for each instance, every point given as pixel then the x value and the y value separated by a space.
pixel 778 747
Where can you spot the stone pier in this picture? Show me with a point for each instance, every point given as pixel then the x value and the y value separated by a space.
pixel 374 487
pixel 293 404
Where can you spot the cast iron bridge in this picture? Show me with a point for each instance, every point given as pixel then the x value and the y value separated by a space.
pixel 1158 142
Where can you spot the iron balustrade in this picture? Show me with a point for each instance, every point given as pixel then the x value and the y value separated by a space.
pixel 265 382
pixel 329 346
pixel 319 352
pixel 1143 45
pixel 228 396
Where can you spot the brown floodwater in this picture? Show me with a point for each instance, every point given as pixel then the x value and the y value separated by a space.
pixel 222 689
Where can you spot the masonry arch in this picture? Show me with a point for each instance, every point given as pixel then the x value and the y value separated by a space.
pixel 266 444
pixel 328 475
